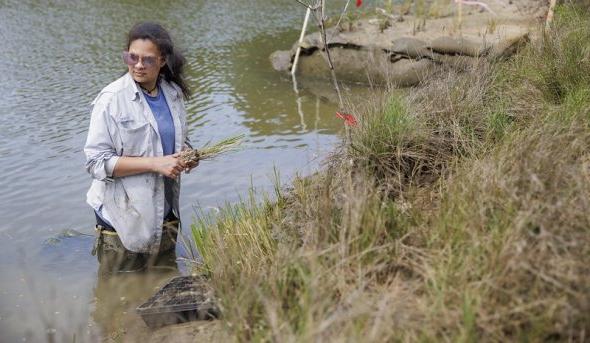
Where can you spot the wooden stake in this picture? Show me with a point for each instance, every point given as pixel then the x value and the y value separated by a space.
pixel 303 29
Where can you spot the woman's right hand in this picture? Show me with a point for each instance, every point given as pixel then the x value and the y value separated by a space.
pixel 170 165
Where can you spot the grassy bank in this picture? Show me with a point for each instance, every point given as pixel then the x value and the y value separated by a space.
pixel 460 213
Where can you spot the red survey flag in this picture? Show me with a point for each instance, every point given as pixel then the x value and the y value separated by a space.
pixel 349 119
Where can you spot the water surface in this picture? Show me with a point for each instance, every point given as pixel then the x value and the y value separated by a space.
pixel 55 57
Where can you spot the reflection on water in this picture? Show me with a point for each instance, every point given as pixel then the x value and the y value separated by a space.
pixel 116 296
pixel 55 57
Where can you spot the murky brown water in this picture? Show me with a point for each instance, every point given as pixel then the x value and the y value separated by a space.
pixel 55 56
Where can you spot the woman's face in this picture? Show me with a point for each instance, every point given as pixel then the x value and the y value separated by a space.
pixel 144 61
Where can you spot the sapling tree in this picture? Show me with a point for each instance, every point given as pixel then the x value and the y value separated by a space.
pixel 317 8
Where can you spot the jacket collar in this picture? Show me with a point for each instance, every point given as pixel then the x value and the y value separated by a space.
pixel 169 90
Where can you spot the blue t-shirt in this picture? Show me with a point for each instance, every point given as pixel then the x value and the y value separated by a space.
pixel 163 117
pixel 165 122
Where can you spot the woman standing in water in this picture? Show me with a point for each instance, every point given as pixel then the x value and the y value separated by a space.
pixel 137 129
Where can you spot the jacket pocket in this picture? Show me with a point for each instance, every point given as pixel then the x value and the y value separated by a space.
pixel 135 137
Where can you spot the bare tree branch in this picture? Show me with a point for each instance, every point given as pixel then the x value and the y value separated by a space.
pixel 311 7
pixel 318 12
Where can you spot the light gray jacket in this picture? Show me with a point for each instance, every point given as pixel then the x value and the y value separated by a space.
pixel 122 124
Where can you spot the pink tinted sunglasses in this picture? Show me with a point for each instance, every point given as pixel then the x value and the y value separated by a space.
pixel 132 59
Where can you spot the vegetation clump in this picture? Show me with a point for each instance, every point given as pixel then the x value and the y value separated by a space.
pixel 459 213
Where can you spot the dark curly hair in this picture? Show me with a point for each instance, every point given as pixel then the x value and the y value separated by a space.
pixel 173 70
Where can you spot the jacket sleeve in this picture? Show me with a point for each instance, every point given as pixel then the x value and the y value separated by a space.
pixel 101 155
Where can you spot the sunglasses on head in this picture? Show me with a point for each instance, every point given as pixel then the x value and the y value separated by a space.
pixel 132 59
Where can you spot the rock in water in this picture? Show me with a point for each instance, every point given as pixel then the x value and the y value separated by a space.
pixel 404 55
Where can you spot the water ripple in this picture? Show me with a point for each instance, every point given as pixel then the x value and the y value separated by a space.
pixel 57 55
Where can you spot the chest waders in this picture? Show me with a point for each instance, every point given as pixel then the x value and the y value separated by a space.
pixel 113 257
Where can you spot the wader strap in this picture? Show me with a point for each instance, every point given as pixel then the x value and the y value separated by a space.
pixel 170 225
pixel 102 231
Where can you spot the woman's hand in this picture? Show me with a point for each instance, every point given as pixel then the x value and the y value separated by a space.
pixel 170 166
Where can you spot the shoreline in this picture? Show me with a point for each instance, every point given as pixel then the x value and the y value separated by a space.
pixel 453 215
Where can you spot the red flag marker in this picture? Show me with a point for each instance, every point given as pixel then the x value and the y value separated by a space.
pixel 349 119
pixel 359 3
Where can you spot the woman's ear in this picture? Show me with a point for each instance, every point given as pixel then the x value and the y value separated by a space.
pixel 163 62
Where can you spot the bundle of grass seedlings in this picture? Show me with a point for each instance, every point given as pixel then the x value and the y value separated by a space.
pixel 209 152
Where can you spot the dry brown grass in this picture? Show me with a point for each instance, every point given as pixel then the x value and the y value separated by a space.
pixel 458 214
pixel 513 231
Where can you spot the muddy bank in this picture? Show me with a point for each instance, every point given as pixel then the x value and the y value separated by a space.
pixel 405 49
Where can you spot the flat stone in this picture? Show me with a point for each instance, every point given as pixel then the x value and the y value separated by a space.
pixel 458 46
pixel 411 47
